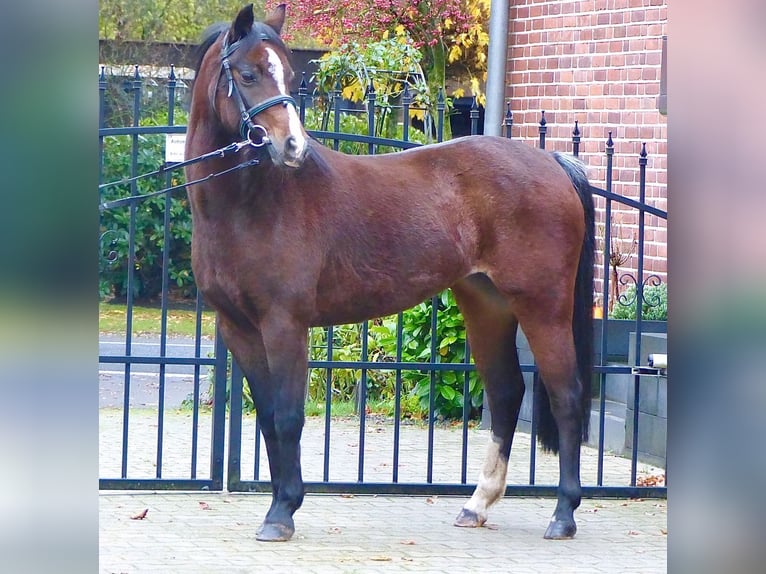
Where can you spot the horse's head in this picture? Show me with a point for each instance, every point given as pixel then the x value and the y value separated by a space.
pixel 251 93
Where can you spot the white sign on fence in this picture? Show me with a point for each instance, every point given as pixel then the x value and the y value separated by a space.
pixel 174 147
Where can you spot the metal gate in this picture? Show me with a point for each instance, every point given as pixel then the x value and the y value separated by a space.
pixel 349 455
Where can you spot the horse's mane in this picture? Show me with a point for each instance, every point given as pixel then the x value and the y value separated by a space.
pixel 209 36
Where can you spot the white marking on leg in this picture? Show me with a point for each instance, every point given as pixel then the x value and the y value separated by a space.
pixel 491 484
pixel 277 71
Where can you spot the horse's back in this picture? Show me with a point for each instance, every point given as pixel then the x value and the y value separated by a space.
pixel 483 164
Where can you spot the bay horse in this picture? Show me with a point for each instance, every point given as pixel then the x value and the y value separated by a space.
pixel 313 237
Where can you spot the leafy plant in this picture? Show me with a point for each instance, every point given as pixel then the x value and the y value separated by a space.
pixel 654 306
pixel 351 123
pixel 149 219
pixel 450 348
pixel 388 65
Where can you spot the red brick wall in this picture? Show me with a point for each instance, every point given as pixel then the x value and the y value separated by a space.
pixel 598 62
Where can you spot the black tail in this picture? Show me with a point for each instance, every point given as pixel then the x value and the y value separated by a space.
pixel 582 320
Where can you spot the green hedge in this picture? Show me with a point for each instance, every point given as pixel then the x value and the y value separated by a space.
pixel 654 305
pixel 149 222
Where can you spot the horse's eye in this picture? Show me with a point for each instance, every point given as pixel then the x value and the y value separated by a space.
pixel 247 77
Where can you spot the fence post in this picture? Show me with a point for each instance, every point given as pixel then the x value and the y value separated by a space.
pixel 234 461
pixel 336 108
pixel 508 121
pixel 371 117
pixel 101 100
pixel 406 100
pixel 474 117
pixel 642 160
pixel 440 116
pixel 576 140
pixel 605 303
pixel 543 129
pixel 302 93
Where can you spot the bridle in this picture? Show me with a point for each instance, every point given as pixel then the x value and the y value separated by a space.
pixel 247 128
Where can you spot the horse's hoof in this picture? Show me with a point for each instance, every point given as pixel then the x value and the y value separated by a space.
pixel 469 519
pixel 560 530
pixel 271 532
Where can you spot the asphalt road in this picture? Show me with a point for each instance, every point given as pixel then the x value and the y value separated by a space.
pixel 144 379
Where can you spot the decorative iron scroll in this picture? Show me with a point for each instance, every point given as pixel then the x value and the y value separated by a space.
pixel 107 257
pixel 653 300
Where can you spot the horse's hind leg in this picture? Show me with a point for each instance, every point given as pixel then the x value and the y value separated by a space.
pixel 491 330
pixel 273 358
pixel 546 320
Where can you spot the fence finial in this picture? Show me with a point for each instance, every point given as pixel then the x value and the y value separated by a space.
pixel 576 140
pixel 508 121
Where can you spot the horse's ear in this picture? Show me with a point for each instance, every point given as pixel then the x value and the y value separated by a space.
pixel 276 19
pixel 243 23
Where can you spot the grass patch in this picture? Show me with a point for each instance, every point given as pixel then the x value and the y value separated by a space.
pixel 112 318
pixel 382 407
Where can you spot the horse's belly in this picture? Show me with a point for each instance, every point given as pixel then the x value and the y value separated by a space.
pixel 367 295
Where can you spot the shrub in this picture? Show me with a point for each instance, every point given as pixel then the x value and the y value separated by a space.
pixel 149 221
pixel 654 306
pixel 416 347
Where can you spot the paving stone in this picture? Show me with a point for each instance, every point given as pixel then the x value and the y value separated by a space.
pixel 366 534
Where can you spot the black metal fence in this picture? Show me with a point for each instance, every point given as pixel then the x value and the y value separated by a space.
pixel 405 464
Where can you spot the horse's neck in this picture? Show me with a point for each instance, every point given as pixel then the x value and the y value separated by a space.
pixel 249 195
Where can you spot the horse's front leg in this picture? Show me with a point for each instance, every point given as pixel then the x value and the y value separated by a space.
pixel 274 360
pixel 285 344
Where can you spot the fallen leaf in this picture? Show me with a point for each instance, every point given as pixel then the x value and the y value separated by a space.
pixel 651 480
pixel 381 558
pixel 407 559
pixel 432 499
pixel 204 506
pixel 407 542
pixel 141 515
pixel 334 530
pixel 663 531
pixel 633 532
pixel 347 496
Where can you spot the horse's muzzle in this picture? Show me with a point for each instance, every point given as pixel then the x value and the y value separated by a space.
pixel 292 152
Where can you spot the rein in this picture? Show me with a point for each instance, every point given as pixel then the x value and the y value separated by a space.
pixel 221 152
pixel 247 129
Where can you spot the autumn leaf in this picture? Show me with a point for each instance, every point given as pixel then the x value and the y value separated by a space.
pixel 380 558
pixel 204 506
pixel 141 515
pixel 651 480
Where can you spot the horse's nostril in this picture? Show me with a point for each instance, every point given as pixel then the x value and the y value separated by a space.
pixel 291 144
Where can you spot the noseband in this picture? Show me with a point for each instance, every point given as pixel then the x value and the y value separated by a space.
pixel 247 128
